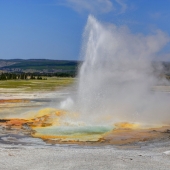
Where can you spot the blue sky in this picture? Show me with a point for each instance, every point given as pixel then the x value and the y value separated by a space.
pixel 53 29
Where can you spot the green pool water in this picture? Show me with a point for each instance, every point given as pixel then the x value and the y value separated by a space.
pixel 69 130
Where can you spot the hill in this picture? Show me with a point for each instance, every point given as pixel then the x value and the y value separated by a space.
pixel 38 65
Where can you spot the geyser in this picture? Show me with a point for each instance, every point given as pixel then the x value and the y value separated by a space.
pixel 114 98
pixel 116 78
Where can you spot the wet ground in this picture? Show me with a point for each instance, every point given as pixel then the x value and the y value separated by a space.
pixel 34 118
pixel 28 141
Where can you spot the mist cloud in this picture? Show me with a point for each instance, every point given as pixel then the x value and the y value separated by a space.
pixel 117 77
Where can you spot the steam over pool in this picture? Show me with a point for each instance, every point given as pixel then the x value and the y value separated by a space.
pixel 114 97
pixel 116 78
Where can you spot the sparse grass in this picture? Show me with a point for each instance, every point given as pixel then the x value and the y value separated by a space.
pixel 50 84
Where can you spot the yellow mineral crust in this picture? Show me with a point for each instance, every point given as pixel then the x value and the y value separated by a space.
pixel 126 125
pixel 13 101
pixel 51 119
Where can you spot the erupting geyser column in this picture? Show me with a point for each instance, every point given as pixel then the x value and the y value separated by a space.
pixel 116 77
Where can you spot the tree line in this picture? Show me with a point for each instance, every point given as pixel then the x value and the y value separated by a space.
pixel 19 76
pixel 33 76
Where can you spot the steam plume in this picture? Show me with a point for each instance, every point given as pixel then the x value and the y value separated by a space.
pixel 117 76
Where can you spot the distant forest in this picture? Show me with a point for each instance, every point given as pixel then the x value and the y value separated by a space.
pixel 42 68
pixel 32 76
pixel 37 68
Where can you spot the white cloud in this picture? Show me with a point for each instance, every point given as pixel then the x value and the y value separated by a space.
pixel 160 15
pixel 123 6
pixel 156 15
pixel 96 6
pixel 92 6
